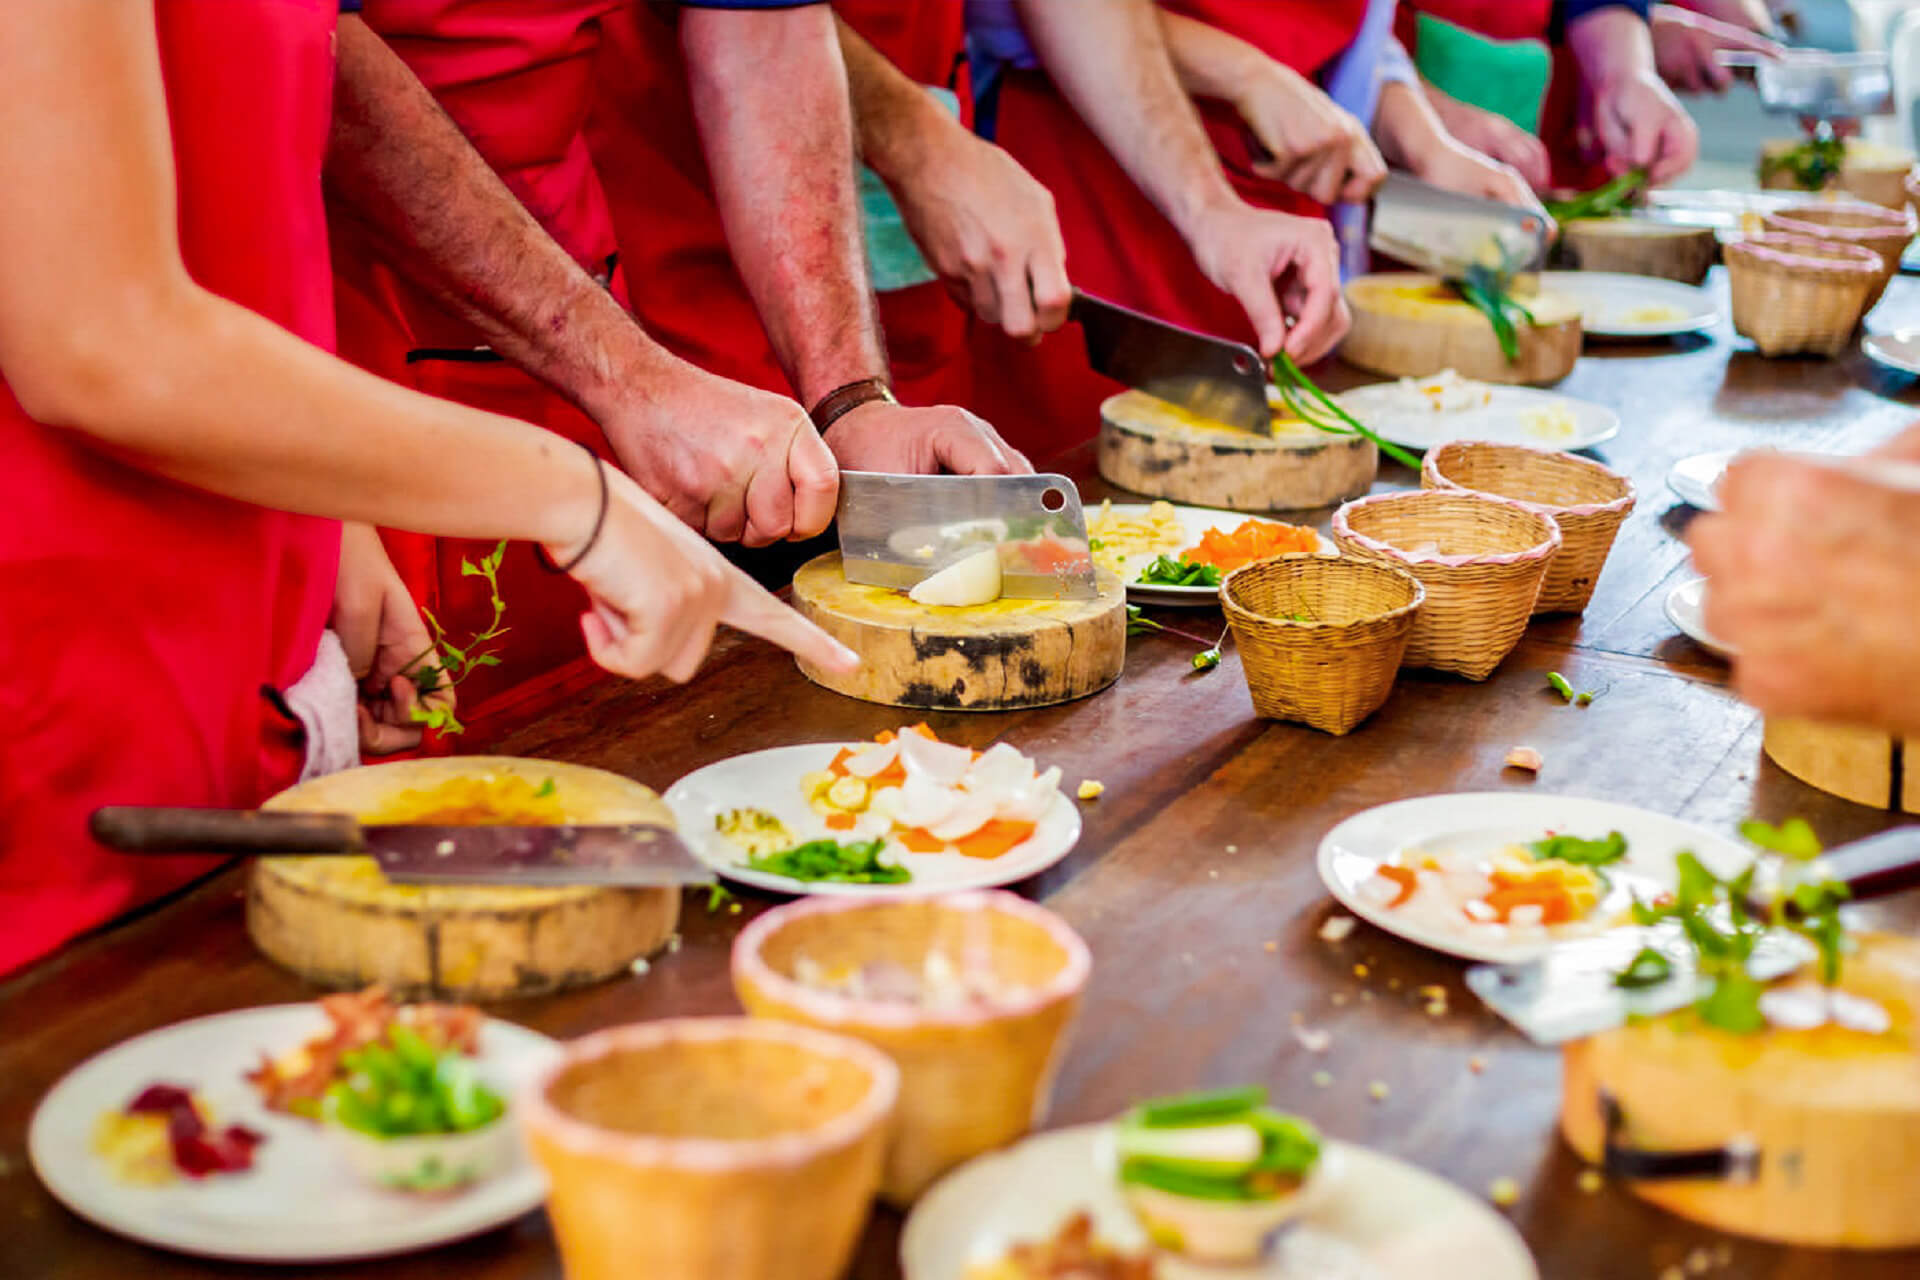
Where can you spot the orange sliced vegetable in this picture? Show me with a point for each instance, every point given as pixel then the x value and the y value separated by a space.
pixel 920 840
pixel 841 821
pixel 1555 903
pixel 994 839
pixel 1253 540
pixel 1407 879
pixel 839 766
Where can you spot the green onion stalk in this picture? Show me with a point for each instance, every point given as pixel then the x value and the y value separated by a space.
pixel 1317 409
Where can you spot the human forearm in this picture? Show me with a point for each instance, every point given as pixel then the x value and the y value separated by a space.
pixel 1611 43
pixel 1407 128
pixel 770 95
pixel 403 169
pixel 1123 84
pixel 1209 62
pixel 898 128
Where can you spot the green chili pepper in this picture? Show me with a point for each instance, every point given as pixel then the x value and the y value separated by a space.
pixel 1198 1108
pixel 1560 685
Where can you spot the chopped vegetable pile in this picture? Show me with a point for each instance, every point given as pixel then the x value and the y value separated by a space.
pixel 1603 201
pixel 1169 571
pixel 1224 1145
pixel 406 1087
pixel 1812 165
pixel 165 1132
pixel 1252 540
pixel 857 862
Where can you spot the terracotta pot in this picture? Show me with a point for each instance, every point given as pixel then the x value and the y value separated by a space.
pixel 972 1077
pixel 711 1149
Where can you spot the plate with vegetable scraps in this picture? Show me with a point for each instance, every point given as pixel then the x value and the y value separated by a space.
pixel 905 813
pixel 1499 877
pixel 218 1137
pixel 1424 413
pixel 1174 555
pixel 1614 304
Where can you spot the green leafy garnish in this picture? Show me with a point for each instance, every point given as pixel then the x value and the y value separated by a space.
pixel 1648 968
pixel 1307 402
pixel 856 862
pixel 457 662
pixel 1793 838
pixel 1601 202
pixel 1813 164
pixel 1581 852
pixel 1488 291
pixel 1169 571
pixel 405 1086
pixel 547 788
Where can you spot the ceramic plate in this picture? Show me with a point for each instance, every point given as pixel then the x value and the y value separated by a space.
pixel 770 780
pixel 1515 415
pixel 1697 479
pixel 1482 823
pixel 1615 305
pixel 1380 1219
pixel 1196 522
pixel 299 1202
pixel 1899 350
pixel 1687 611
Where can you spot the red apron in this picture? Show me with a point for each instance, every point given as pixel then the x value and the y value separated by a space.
pixel 1119 246
pixel 687 291
pixel 1525 20
pixel 516 76
pixel 142 617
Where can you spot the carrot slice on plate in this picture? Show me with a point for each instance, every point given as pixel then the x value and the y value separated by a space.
pixel 920 840
pixel 994 839
pixel 841 821
pixel 1405 877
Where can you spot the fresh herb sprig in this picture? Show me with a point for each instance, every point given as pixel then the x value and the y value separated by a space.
pixel 856 862
pixel 1580 851
pixel 1601 202
pixel 1174 571
pixel 1307 402
pixel 1490 293
pixel 456 662
pixel 1813 164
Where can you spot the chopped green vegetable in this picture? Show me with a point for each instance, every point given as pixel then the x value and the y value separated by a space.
pixel 1585 699
pixel 1198 1108
pixel 547 788
pixel 1488 291
pixel 718 895
pixel 856 862
pixel 1307 402
pixel 1207 659
pixel 1601 202
pixel 1586 853
pixel 1168 571
pixel 1560 685
pixel 404 1087
pixel 1225 1144
pixel 1813 164
pixel 1648 968
pixel 1793 838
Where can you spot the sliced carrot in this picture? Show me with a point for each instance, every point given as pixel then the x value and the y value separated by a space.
pixel 1406 878
pixel 841 821
pixel 924 731
pixel 1253 540
pixel 1555 903
pixel 920 840
pixel 839 766
pixel 994 839
pixel 885 736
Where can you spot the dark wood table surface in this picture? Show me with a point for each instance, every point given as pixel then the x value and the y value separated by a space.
pixel 1194 882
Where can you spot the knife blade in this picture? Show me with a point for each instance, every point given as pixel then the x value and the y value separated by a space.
pixel 630 855
pixel 1818 85
pixel 1447 233
pixel 1209 377
pixel 896 531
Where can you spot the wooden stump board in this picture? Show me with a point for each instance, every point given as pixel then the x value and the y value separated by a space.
pixel 338 922
pixel 991 657
pixel 1407 325
pixel 1833 1113
pixel 1872 171
pixel 1862 765
pixel 1151 447
pixel 1640 247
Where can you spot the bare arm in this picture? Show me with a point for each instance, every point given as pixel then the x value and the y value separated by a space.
pixel 1634 118
pixel 225 400
pixel 1412 137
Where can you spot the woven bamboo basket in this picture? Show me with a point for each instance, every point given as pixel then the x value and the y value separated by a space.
pixel 1887 232
pixel 972 1077
pixel 710 1149
pixel 1588 501
pixel 1795 294
pixel 1320 639
pixel 1481 559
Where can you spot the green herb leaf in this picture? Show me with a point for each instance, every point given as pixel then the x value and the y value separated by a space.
pixel 546 789
pixel 1603 201
pixel 1648 968
pixel 1586 853
pixel 1307 402
pixel 1733 1004
pixel 857 862
pixel 1793 838
pixel 1168 571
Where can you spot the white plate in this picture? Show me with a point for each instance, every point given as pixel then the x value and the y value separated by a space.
pixel 300 1202
pixel 1899 350
pixel 1687 611
pixel 1195 522
pixel 1469 823
pixel 770 780
pixel 1611 303
pixel 1697 479
pixel 1503 420
pixel 1381 1219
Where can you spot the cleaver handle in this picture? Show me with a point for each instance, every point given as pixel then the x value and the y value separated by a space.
pixel 139 829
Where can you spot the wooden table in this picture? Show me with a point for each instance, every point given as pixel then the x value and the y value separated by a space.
pixel 1194 882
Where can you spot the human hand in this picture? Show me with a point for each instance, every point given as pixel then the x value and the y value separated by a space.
pixel 1748 15
pixel 1313 145
pixel 1635 122
pixel 1462 169
pixel 733 461
pixel 1277 266
pixel 380 628
pixel 988 228
pixel 1684 45
pixel 659 590
pixel 1904 447
pixel 1814 564
pixel 1495 137
pixel 881 436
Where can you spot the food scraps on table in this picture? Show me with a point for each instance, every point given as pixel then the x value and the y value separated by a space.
pixel 1525 758
pixel 1213 1175
pixel 165 1133
pixel 298 1081
pixel 1522 889
pixel 941 983
pixel 1073 1253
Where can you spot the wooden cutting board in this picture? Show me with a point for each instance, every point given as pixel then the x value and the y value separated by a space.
pixel 1871 171
pixel 338 922
pixel 1639 247
pixel 1407 325
pixel 992 657
pixel 1152 447
pixel 1862 765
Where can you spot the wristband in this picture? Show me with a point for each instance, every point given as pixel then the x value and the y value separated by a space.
pixel 842 400
pixel 599 523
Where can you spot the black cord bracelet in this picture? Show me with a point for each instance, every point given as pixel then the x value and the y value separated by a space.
pixel 599 523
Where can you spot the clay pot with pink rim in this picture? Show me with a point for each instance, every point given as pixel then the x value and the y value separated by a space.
pixel 975 1071
pixel 711 1149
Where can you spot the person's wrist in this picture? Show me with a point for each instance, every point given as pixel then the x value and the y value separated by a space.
pixel 921 138
pixel 575 513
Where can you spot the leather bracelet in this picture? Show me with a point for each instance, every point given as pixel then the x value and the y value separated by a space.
pixel 843 400
pixel 599 523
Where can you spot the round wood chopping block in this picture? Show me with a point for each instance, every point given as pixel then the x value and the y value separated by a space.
pixel 1861 765
pixel 1833 1114
pixel 338 922
pixel 991 657
pixel 1641 248
pixel 1155 448
pixel 1872 171
pixel 1407 325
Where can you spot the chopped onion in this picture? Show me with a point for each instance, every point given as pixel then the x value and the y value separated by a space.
pixel 971 580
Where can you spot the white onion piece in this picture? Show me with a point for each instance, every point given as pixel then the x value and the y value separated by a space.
pixel 972 813
pixel 872 760
pixel 1000 769
pixel 923 802
pixel 1031 802
pixel 941 762
pixel 1857 1013
pixel 971 580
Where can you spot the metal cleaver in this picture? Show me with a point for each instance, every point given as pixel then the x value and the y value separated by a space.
pixel 630 855
pixel 1210 377
pixel 897 530
pixel 1446 233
